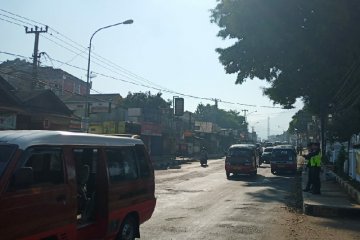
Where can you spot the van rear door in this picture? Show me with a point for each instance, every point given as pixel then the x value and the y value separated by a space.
pixel 37 203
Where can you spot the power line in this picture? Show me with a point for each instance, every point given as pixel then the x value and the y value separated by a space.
pixel 22 17
pixel 15 19
pixel 137 84
pixel 105 61
pixel 11 22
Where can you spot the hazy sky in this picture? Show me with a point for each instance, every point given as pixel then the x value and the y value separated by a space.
pixel 170 46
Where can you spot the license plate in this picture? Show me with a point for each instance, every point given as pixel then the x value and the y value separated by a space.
pixel 238 168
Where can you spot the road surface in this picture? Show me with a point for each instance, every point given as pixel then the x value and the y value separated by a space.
pixel 200 203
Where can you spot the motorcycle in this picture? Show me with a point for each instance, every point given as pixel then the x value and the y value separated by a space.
pixel 203 158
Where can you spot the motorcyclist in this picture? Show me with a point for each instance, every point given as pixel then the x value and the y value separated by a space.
pixel 203 157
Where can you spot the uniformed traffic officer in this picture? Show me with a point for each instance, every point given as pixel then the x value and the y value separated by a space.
pixel 315 163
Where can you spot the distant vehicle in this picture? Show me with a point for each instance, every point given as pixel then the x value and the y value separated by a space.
pixel 266 155
pixel 268 144
pixel 241 159
pixel 65 185
pixel 283 159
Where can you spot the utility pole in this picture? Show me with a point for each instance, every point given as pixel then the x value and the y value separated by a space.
pixel 268 128
pixel 245 111
pixel 216 102
pixel 37 32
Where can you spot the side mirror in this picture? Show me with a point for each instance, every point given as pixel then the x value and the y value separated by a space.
pixel 23 177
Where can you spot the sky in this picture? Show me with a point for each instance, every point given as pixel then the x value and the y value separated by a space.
pixel 169 48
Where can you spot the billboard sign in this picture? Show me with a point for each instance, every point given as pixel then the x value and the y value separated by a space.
pixel 178 106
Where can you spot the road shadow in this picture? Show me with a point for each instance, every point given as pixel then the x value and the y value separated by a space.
pixel 282 188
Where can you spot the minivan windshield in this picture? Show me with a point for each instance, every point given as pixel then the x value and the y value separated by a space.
pixel 239 152
pixel 6 151
pixel 268 150
pixel 283 155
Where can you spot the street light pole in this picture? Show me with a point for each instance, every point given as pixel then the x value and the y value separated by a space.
pixel 86 117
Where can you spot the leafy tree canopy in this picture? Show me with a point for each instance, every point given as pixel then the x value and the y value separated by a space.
pixel 225 119
pixel 342 125
pixel 145 100
pixel 299 121
pixel 304 49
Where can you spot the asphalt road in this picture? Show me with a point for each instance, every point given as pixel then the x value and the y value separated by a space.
pixel 200 203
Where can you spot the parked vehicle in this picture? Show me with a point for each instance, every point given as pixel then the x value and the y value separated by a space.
pixel 283 159
pixel 241 159
pixel 64 185
pixel 266 155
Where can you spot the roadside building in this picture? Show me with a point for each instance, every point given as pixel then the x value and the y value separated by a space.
pixel 37 109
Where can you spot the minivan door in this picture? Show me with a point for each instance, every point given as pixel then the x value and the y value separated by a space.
pixel 38 203
pixel 92 191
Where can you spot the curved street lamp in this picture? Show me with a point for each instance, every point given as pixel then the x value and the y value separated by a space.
pixel 129 21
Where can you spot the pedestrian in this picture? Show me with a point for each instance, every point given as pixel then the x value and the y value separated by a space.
pixel 309 168
pixel 300 149
pixel 315 161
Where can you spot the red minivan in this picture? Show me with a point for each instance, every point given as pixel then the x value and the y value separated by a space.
pixel 241 159
pixel 65 185
pixel 283 159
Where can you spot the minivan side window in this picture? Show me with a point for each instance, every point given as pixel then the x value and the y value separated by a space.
pixel 121 164
pixel 143 161
pixel 46 165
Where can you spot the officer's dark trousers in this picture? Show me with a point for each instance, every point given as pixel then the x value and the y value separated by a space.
pixel 316 180
pixel 309 184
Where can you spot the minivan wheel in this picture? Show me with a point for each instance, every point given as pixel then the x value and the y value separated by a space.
pixel 127 229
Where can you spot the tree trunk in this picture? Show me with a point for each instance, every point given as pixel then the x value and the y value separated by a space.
pixel 322 134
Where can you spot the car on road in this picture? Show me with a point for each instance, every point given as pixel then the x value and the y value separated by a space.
pixel 241 159
pixel 266 155
pixel 283 159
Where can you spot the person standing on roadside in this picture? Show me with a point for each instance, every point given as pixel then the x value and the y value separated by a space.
pixel 315 163
pixel 311 153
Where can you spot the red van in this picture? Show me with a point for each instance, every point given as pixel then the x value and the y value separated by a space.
pixel 283 159
pixel 241 159
pixel 64 185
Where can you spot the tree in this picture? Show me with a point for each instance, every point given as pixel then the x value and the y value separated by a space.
pixel 299 122
pixel 344 124
pixel 145 100
pixel 225 119
pixel 304 49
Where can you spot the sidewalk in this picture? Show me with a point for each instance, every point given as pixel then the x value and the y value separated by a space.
pixel 334 201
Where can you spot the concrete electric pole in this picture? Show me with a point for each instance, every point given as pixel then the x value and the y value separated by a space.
pixel 37 32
